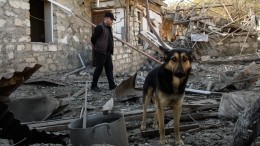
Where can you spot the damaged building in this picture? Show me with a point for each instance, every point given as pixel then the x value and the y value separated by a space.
pixel 37 31
pixel 46 67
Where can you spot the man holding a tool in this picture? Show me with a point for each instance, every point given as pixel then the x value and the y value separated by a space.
pixel 103 47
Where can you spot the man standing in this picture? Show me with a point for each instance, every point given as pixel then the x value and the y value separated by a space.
pixel 103 46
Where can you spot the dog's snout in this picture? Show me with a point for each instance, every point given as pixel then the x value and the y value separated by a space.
pixel 179 74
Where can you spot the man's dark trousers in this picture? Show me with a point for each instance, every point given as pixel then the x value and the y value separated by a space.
pixel 103 60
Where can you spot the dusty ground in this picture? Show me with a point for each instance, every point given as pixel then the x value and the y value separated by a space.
pixel 201 75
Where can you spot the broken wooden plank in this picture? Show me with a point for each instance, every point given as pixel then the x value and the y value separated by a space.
pixel 155 133
pixel 39 124
pixel 193 20
pixel 74 71
pixel 226 10
pixel 204 102
pixel 168 113
pixel 202 92
pixel 241 136
pixel 78 93
pixel 45 80
pixel 234 61
pixel 54 128
pixel 202 128
pixel 203 7
pixel 108 106
pixel 138 112
pixel 209 86
pixel 199 116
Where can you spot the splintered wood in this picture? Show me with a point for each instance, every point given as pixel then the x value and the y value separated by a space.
pixel 207 26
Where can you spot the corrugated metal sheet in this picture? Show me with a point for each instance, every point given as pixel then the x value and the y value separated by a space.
pixel 10 82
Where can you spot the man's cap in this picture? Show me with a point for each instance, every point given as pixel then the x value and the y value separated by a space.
pixel 109 14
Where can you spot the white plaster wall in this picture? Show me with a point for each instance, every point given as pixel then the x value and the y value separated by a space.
pixel 119 23
pixel 157 18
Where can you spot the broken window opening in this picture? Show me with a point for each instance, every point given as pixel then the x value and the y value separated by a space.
pixel 41 19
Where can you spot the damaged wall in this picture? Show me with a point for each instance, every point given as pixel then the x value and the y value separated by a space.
pixel 70 37
pixel 230 46
pixel 58 50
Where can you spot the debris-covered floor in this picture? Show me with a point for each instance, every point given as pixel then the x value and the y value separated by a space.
pixel 200 122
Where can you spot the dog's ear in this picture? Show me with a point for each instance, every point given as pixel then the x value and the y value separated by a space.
pixel 165 52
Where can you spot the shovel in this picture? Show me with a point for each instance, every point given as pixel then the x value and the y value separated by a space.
pixel 126 88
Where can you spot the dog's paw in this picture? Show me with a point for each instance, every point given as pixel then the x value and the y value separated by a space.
pixel 179 143
pixel 163 141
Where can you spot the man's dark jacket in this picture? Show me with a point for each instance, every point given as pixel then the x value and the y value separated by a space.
pixel 102 39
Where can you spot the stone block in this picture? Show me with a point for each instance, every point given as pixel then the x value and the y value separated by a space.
pixel 10 47
pixel 2 22
pixel 53 48
pixel 125 55
pixel 118 56
pixel 10 14
pixel 37 47
pixel 63 40
pixel 20 47
pixel 40 59
pixel 27 31
pixel 49 61
pixel 25 39
pixel 28 47
pixel 18 4
pixel 76 39
pixel 44 68
pixel 122 61
pixel 29 60
pixel 60 28
pixel 205 58
pixel 27 22
pixel 10 55
pixel 18 22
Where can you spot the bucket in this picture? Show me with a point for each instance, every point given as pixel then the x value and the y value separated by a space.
pixel 100 129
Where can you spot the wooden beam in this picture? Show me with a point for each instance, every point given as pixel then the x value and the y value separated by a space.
pixel 203 7
pixel 241 136
pixel 155 132
pixel 187 21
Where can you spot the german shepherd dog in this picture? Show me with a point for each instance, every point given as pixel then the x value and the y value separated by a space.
pixel 165 86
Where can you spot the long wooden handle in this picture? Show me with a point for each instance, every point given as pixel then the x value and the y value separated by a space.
pixel 129 45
